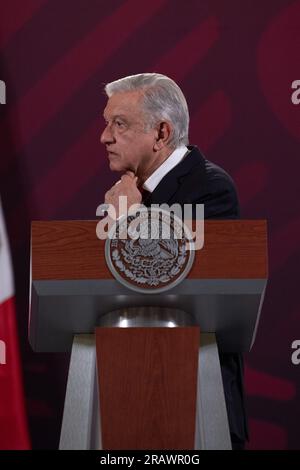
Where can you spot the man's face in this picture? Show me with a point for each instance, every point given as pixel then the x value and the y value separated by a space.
pixel 129 147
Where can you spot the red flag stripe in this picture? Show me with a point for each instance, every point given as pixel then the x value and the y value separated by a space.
pixel 13 426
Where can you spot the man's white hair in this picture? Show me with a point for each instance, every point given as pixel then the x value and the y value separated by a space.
pixel 163 100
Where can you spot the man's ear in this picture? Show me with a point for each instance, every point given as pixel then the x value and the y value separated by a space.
pixel 162 135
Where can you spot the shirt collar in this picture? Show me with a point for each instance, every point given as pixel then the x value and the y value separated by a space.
pixel 176 156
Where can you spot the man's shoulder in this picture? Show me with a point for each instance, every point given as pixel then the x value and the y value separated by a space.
pixel 205 174
pixel 196 180
pixel 209 184
pixel 217 176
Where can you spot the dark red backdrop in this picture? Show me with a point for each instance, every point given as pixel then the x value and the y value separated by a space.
pixel 235 61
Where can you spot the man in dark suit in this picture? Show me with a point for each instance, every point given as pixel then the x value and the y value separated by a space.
pixel 146 137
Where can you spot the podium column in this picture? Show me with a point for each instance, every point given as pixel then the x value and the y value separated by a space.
pixel 81 427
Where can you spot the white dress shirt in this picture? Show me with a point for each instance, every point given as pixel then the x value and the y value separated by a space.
pixel 173 160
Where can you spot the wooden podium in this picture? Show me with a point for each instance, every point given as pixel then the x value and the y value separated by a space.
pixel 151 384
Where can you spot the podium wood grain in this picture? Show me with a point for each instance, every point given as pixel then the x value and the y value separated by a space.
pixel 147 379
pixel 71 250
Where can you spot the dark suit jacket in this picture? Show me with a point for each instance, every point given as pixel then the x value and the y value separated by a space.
pixel 197 180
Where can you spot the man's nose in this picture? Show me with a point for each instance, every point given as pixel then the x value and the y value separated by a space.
pixel 107 136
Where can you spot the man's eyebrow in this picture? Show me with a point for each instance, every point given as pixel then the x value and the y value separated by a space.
pixel 115 116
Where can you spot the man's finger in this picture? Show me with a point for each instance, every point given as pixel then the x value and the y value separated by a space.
pixel 131 179
pixel 132 175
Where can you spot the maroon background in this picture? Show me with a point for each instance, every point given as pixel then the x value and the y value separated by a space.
pixel 235 61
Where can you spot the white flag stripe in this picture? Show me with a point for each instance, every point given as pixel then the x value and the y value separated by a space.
pixel 6 276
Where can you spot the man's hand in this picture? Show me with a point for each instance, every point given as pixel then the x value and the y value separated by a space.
pixel 126 186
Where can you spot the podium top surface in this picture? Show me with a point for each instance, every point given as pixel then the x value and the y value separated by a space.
pixel 233 249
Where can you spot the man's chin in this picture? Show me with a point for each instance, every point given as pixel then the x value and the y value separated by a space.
pixel 114 166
